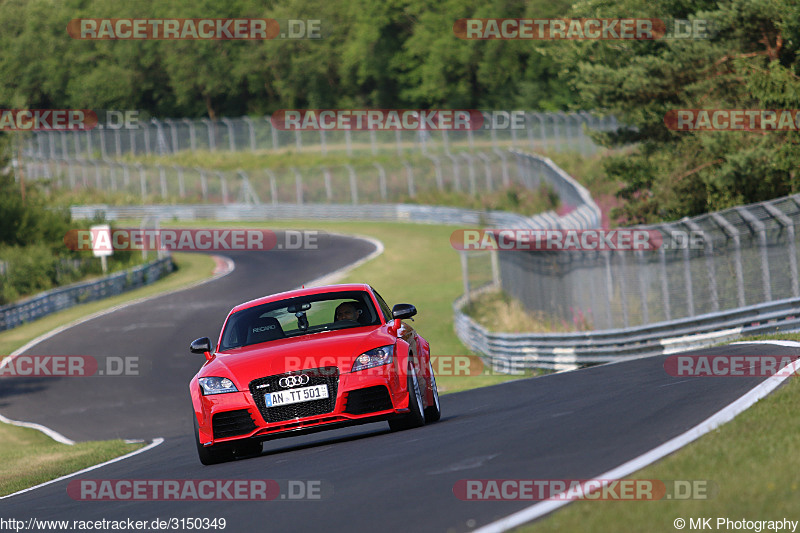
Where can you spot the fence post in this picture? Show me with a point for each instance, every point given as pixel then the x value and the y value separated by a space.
pixel 487 169
pixel 410 177
pixel 381 180
pixel 456 172
pixel 273 186
pixel 733 233
pixel 97 180
pixel 212 143
pixel 231 133
pixel 103 153
pixel 146 132
pixel 687 273
pixel 274 133
pixel 465 275
pixel 251 130
pixel 762 245
pixel 142 182
pixel 163 179
pixel 609 287
pixel 298 184
pixel 173 135
pixel 373 141
pixel 181 181
pixel 126 176
pixel 223 184
pixel 353 184
pixel 787 223
pixel 348 141
pixel 471 168
pixel 326 174
pixel 495 268
pixel 160 137
pixel 192 134
pixel 322 142
pixel 203 183
pixel 662 263
pixel 709 253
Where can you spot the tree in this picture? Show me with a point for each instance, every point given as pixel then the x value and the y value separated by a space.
pixel 750 62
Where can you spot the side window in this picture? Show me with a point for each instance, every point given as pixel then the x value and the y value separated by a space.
pixel 387 311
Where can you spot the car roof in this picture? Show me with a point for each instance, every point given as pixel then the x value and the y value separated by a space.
pixel 302 292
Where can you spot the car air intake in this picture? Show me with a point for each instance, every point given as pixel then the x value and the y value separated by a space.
pixel 232 423
pixel 369 400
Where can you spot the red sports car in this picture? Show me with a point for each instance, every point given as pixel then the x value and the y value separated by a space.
pixel 309 360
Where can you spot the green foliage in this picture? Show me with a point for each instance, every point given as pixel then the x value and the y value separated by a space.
pixel 32 244
pixel 749 63
pixel 395 54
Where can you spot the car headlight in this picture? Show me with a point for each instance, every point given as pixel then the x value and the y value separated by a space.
pixel 375 357
pixel 216 385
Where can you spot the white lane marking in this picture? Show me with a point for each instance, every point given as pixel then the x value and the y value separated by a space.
pixel 150 446
pixel 218 273
pixel 725 415
pixel 55 435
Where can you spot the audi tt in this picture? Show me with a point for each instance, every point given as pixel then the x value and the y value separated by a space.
pixel 309 360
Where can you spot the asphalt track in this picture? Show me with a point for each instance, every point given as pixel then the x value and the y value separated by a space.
pixel 574 425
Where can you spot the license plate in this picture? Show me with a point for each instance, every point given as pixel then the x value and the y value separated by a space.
pixel 303 394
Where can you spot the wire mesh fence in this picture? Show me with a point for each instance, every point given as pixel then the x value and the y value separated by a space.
pixel 720 261
pixel 394 182
pixel 537 132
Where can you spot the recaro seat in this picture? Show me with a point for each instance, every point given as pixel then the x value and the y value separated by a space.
pixel 264 329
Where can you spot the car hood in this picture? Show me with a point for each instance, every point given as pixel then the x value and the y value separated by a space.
pixel 328 348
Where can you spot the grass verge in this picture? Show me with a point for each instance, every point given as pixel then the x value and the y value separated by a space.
pixel 749 460
pixel 27 456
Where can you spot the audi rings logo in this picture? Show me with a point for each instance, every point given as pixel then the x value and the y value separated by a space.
pixel 293 381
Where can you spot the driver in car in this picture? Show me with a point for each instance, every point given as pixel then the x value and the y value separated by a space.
pixel 347 311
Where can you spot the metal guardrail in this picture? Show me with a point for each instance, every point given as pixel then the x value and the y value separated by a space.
pixel 55 300
pixel 565 351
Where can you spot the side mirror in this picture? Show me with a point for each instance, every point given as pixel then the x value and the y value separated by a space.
pixel 203 346
pixel 401 311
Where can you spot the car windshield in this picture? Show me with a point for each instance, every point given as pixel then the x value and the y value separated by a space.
pixel 294 317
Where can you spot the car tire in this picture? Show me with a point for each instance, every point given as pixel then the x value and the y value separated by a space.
pixel 211 455
pixel 415 417
pixel 433 412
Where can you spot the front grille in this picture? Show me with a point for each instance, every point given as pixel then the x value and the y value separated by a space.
pixel 369 400
pixel 328 375
pixel 232 423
